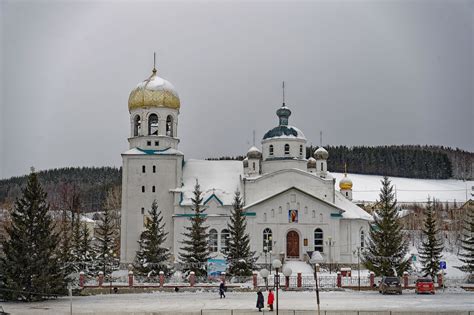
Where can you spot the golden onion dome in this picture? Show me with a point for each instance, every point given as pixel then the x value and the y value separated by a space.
pixel 345 183
pixel 154 92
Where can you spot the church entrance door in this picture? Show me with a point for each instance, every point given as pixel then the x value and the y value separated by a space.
pixel 293 245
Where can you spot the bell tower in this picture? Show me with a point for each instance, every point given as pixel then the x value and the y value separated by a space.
pixel 152 167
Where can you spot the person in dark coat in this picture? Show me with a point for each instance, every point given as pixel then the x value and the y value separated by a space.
pixel 260 300
pixel 222 290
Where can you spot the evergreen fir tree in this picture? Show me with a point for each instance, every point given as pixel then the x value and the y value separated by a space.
pixel 239 258
pixel 195 252
pixel 31 265
pixel 86 251
pixel 152 257
pixel 76 243
pixel 387 245
pixel 467 243
pixel 432 245
pixel 105 253
pixel 66 244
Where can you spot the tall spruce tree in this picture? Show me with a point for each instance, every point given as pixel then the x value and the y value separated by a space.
pixel 106 256
pixel 152 256
pixel 86 251
pixel 467 243
pixel 432 244
pixel 195 252
pixel 31 265
pixel 387 245
pixel 239 258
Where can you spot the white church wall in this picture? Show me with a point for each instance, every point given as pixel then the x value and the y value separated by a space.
pixel 279 147
pixel 270 184
pixel 156 186
pixel 268 215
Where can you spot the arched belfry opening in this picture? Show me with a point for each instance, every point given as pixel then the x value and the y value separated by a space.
pixel 153 125
pixel 137 125
pixel 169 126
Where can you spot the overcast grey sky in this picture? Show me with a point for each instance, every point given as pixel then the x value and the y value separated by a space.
pixel 364 72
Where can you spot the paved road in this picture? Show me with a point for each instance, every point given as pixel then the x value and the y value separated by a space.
pixel 187 301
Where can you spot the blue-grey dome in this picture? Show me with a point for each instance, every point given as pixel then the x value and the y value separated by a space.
pixel 284 132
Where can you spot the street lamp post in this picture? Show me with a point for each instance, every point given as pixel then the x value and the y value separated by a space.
pixel 330 243
pixel 264 273
pixel 316 258
pixel 287 272
pixel 277 265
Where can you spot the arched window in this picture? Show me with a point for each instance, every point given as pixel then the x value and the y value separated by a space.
pixel 321 218
pixel 267 240
pixel 137 126
pixel 253 165
pixel 273 213
pixel 225 236
pixel 314 213
pixel 322 169
pixel 318 240
pixel 169 126
pixel 270 149
pixel 153 125
pixel 362 239
pixel 280 210
pixel 287 148
pixel 213 242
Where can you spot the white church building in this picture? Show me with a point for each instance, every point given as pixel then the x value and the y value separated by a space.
pixel 291 203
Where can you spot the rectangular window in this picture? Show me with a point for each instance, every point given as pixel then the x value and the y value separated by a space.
pixel 143 189
pixel 143 168
pixel 153 189
pixel 154 168
pixel 143 210
pixel 148 143
pixel 157 143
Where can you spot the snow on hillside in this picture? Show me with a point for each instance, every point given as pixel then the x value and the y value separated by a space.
pixel 367 188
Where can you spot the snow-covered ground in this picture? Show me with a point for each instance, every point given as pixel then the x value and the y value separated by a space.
pixel 192 301
pixel 367 188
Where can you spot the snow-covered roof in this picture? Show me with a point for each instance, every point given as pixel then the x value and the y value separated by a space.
pixel 351 210
pixel 218 178
pixel 167 151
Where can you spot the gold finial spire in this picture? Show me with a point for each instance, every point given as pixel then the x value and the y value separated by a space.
pixel 154 62
pixel 345 169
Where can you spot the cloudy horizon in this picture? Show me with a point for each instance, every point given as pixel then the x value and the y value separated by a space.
pixel 363 72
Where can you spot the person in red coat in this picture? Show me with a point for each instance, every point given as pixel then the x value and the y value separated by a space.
pixel 270 299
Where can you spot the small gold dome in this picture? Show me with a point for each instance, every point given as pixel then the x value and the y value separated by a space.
pixel 345 184
pixel 154 92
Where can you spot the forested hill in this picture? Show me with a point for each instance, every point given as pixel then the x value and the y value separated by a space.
pixel 89 184
pixel 431 162
pixel 413 161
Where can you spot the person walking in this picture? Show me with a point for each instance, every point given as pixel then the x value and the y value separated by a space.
pixel 222 290
pixel 270 300
pixel 260 301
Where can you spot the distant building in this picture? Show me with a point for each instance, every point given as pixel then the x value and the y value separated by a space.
pixel 291 203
